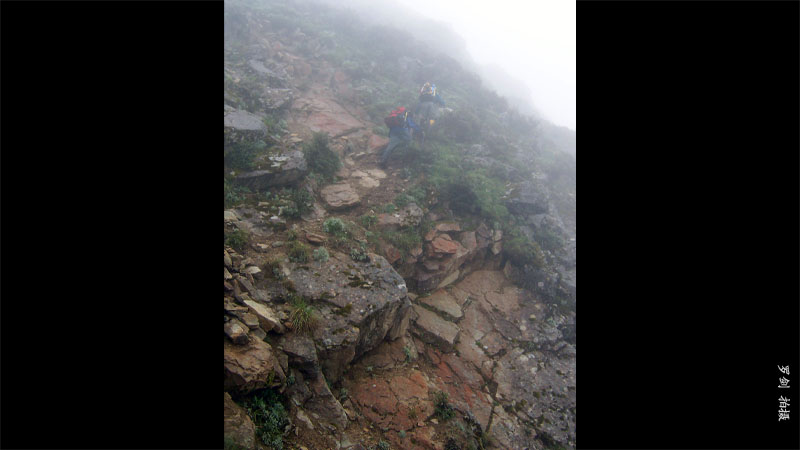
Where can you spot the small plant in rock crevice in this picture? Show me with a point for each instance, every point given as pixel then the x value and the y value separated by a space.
pixel 443 409
pixel 302 315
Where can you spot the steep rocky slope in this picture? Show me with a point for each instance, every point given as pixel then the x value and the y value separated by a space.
pixel 442 310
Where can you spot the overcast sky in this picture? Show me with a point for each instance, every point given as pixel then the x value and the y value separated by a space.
pixel 533 40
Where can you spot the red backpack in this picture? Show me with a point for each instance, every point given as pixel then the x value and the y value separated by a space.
pixel 397 118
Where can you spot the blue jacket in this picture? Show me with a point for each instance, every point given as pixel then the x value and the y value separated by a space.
pixel 403 131
pixel 436 98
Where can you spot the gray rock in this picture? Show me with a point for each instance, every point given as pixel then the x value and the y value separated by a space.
pixel 529 197
pixel 277 170
pixel 243 126
pixel 340 196
pixel 236 332
pixel 434 330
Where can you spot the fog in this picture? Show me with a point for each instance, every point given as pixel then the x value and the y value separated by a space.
pixel 526 51
pixel 533 41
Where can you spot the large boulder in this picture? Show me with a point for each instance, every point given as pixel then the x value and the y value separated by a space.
pixel 360 303
pixel 248 367
pixel 281 169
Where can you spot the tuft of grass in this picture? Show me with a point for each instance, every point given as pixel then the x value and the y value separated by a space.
pixel 404 240
pixel 321 159
pixel 298 252
pixel 302 315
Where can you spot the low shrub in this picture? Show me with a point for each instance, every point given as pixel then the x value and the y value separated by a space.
pixel 321 159
pixel 334 225
pixel 443 409
pixel 321 254
pixel 237 239
pixel 269 416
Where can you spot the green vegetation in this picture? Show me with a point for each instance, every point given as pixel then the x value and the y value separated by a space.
pixel 241 155
pixel 300 202
pixel 368 220
pixel 359 252
pixel 237 239
pixel 321 159
pixel 443 409
pixel 298 252
pixel 269 416
pixel 234 195
pixel 321 254
pixel 302 315
pixel 405 239
pixel 333 225
pixel 521 250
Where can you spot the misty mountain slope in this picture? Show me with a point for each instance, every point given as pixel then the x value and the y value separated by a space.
pixel 452 271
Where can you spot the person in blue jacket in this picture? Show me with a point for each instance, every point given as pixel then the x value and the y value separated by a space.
pixel 427 110
pixel 399 133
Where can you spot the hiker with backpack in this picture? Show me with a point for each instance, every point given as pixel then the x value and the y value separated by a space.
pixel 400 125
pixel 428 107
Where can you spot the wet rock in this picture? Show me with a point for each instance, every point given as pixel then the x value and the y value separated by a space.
pixel 248 367
pixel 340 196
pixel 237 425
pixel 434 330
pixel 283 169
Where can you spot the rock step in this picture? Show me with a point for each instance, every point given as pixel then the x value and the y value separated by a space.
pixel 434 330
pixel 442 302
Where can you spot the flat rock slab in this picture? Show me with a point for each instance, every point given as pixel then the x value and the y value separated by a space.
pixel 340 196
pixel 277 170
pixel 443 302
pixel 434 330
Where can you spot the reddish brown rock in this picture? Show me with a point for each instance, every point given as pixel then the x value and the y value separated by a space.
pixel 248 367
pixel 315 239
pixel 430 235
pixel 375 395
pixel 448 226
pixel 444 245
pixel 392 254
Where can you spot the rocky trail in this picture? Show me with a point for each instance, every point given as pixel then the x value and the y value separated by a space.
pixel 393 332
